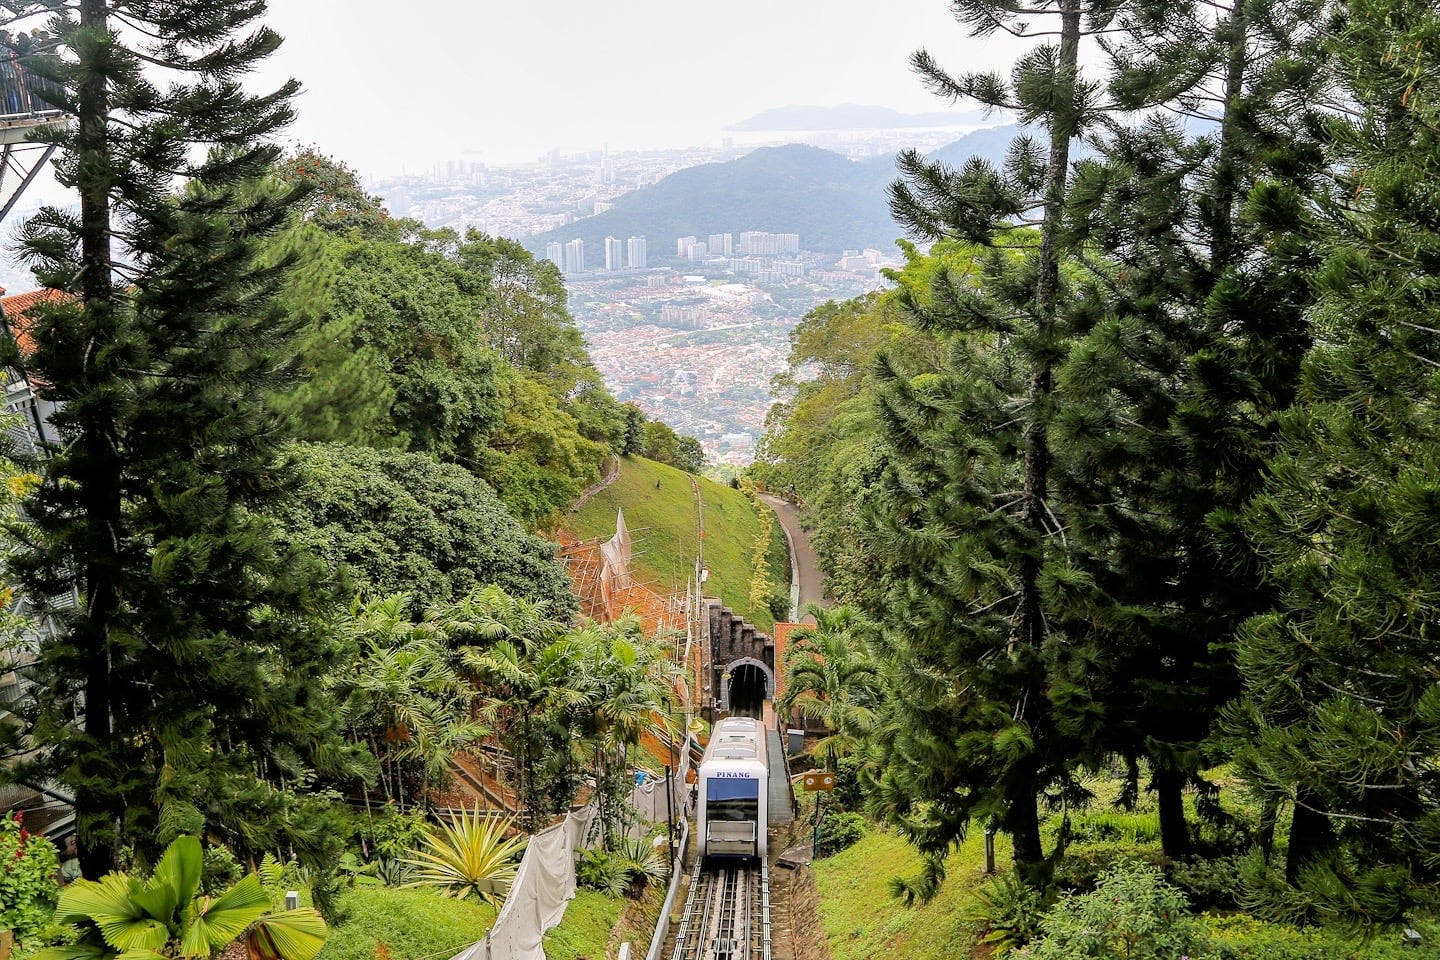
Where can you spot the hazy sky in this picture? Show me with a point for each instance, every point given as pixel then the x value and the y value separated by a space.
pixel 391 84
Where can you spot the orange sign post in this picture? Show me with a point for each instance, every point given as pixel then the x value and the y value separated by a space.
pixel 819 780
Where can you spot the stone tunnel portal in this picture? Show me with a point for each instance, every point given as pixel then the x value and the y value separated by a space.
pixel 750 685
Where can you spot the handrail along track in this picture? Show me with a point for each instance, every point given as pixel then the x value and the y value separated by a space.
pixel 726 915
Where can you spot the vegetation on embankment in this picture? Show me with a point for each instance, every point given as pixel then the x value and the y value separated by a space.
pixel 399 924
pixel 862 919
pixel 659 505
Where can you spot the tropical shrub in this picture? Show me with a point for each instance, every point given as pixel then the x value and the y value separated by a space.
pixel 167 917
pixel 471 857
pixel 602 871
pixel 1010 910
pixel 1083 864
pixel 626 871
pixel 840 830
pixel 1132 914
pixel 28 865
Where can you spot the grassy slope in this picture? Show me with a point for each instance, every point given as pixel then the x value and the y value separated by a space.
pixel 408 924
pixel 861 919
pixel 585 931
pixel 662 529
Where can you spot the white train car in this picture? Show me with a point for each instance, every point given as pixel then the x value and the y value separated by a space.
pixel 733 791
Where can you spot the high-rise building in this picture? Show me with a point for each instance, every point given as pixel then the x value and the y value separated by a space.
pixel 684 247
pixel 614 254
pixel 636 251
pixel 575 256
pixel 722 244
pixel 699 252
pixel 555 253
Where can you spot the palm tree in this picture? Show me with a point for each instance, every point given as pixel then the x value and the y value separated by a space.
pixel 632 692
pixel 407 698
pixel 534 686
pixel 832 677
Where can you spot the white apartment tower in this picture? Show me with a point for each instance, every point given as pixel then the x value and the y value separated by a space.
pixel 555 253
pixel 614 254
pixel 575 256
pixel 636 251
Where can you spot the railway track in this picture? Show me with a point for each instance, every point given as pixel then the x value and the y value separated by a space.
pixel 726 915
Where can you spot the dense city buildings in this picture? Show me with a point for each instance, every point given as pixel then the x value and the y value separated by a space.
pixel 693 340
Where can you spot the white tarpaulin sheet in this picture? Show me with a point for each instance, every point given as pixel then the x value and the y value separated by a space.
pixel 545 882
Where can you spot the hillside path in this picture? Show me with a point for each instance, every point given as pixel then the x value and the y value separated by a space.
pixel 802 554
pixel 609 470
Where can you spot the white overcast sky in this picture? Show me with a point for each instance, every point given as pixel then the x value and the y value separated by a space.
pixel 391 85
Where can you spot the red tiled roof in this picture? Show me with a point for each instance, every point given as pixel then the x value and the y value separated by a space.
pixel 16 310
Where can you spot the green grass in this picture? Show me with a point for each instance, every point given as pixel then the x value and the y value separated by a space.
pixel 862 919
pixel 407 924
pixel 663 533
pixel 585 931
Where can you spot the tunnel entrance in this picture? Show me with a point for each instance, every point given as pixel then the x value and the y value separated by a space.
pixel 749 686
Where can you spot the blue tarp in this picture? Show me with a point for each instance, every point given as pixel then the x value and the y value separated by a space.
pixel 726 788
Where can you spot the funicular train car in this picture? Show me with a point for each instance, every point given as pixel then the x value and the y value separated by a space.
pixel 733 791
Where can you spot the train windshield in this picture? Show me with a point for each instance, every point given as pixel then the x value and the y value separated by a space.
pixel 729 799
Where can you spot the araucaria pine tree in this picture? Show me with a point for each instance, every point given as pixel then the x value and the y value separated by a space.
pixel 182 694
pixel 976 543
pixel 1171 394
pixel 1342 711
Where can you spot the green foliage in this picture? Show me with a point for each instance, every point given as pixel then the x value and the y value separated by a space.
pixel 414 924
pixel 1341 716
pixel 1114 825
pixel 221 870
pixel 28 866
pixel 1085 863
pixel 585 931
pixel 1209 883
pixel 1241 937
pixel 405 696
pixel 627 871
pixel 167 916
pixel 832 677
pixel 1011 910
pixel 1133 914
pixel 459 347
pixel 196 653
pixel 389 833
pixel 839 830
pixel 471 857
pixel 402 523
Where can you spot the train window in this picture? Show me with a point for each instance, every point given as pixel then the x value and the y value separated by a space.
pixel 728 799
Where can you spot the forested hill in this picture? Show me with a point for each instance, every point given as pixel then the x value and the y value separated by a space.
pixel 834 203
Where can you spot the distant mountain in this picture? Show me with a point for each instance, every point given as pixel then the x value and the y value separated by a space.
pixel 851 116
pixel 832 202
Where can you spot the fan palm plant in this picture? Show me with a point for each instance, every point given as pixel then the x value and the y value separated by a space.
pixel 470 857
pixel 167 918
